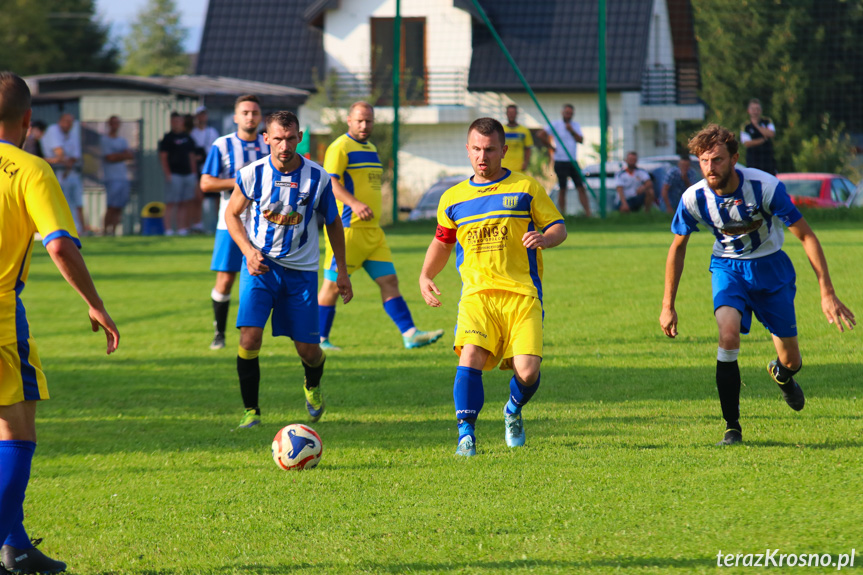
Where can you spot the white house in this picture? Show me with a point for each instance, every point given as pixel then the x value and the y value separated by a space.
pixel 454 72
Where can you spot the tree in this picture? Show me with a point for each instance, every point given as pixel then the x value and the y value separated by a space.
pixel 54 36
pixel 801 58
pixel 155 44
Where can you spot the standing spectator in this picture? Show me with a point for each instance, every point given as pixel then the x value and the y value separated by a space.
pixel 115 154
pixel 518 142
pixel 570 134
pixel 757 137
pixel 62 147
pixel 677 180
pixel 177 156
pixel 33 143
pixel 204 136
pixel 634 186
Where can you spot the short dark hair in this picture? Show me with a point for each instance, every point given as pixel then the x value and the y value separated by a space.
pixel 570 106
pixel 754 101
pixel 512 106
pixel 487 127
pixel 685 156
pixel 283 118
pixel 39 125
pixel 711 136
pixel 176 114
pixel 14 97
pixel 247 98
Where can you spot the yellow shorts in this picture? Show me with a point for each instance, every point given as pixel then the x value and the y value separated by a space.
pixel 21 376
pixel 505 323
pixel 366 248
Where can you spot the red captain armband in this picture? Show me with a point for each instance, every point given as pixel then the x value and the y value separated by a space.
pixel 446 235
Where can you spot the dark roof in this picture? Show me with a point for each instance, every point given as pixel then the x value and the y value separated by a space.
pixel 555 44
pixel 214 90
pixel 264 40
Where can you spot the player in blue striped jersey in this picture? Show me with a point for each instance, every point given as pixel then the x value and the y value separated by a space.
pixel 284 195
pixel 745 209
pixel 225 158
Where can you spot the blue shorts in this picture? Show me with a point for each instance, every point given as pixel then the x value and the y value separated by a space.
pixel 117 193
pixel 765 286
pixel 292 296
pixel 227 256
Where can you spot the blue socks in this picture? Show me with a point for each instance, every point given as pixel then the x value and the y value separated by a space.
pixel 15 460
pixel 326 315
pixel 468 394
pixel 520 394
pixel 398 311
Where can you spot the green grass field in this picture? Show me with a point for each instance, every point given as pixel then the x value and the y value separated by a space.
pixel 138 469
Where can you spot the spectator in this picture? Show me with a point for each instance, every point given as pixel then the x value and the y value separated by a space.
pixel 177 156
pixel 634 186
pixel 570 134
pixel 61 145
pixel 195 206
pixel 115 154
pixel 204 135
pixel 677 180
pixel 518 141
pixel 33 143
pixel 757 137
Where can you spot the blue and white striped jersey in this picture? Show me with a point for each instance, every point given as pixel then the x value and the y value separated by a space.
pixel 227 155
pixel 282 221
pixel 746 224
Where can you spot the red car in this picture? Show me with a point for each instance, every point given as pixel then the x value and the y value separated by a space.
pixel 815 190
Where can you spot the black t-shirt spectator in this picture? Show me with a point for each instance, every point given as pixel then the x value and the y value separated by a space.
pixel 178 147
pixel 760 156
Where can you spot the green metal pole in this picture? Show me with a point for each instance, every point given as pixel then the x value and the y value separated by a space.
pixel 397 58
pixel 527 87
pixel 603 111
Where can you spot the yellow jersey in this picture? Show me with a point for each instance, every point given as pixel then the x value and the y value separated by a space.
pixel 30 201
pixel 357 166
pixel 517 139
pixel 487 223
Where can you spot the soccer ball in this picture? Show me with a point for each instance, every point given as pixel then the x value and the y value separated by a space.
pixel 297 446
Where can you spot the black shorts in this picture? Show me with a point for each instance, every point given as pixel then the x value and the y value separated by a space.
pixel 566 170
pixel 635 203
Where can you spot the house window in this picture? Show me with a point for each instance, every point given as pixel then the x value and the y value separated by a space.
pixel 413 60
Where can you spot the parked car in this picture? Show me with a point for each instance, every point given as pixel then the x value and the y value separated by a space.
pixel 426 208
pixel 656 166
pixel 817 190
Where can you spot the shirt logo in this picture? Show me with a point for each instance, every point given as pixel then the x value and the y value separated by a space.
pixel 510 201
pixel 282 214
pixel 735 228
pixel 281 184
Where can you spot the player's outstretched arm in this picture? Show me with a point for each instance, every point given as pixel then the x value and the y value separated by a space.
pixel 548 239
pixel 673 273
pixel 336 235
pixel 436 258
pixel 835 311
pixel 71 264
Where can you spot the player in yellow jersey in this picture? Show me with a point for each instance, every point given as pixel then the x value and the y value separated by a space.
pixel 355 171
pixel 498 221
pixel 30 201
pixel 519 142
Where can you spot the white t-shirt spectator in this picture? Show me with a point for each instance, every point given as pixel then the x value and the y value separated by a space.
pixel 70 142
pixel 205 137
pixel 630 182
pixel 566 139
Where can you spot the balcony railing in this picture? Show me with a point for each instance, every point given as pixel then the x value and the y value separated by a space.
pixel 438 87
pixel 658 86
pixel 667 85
